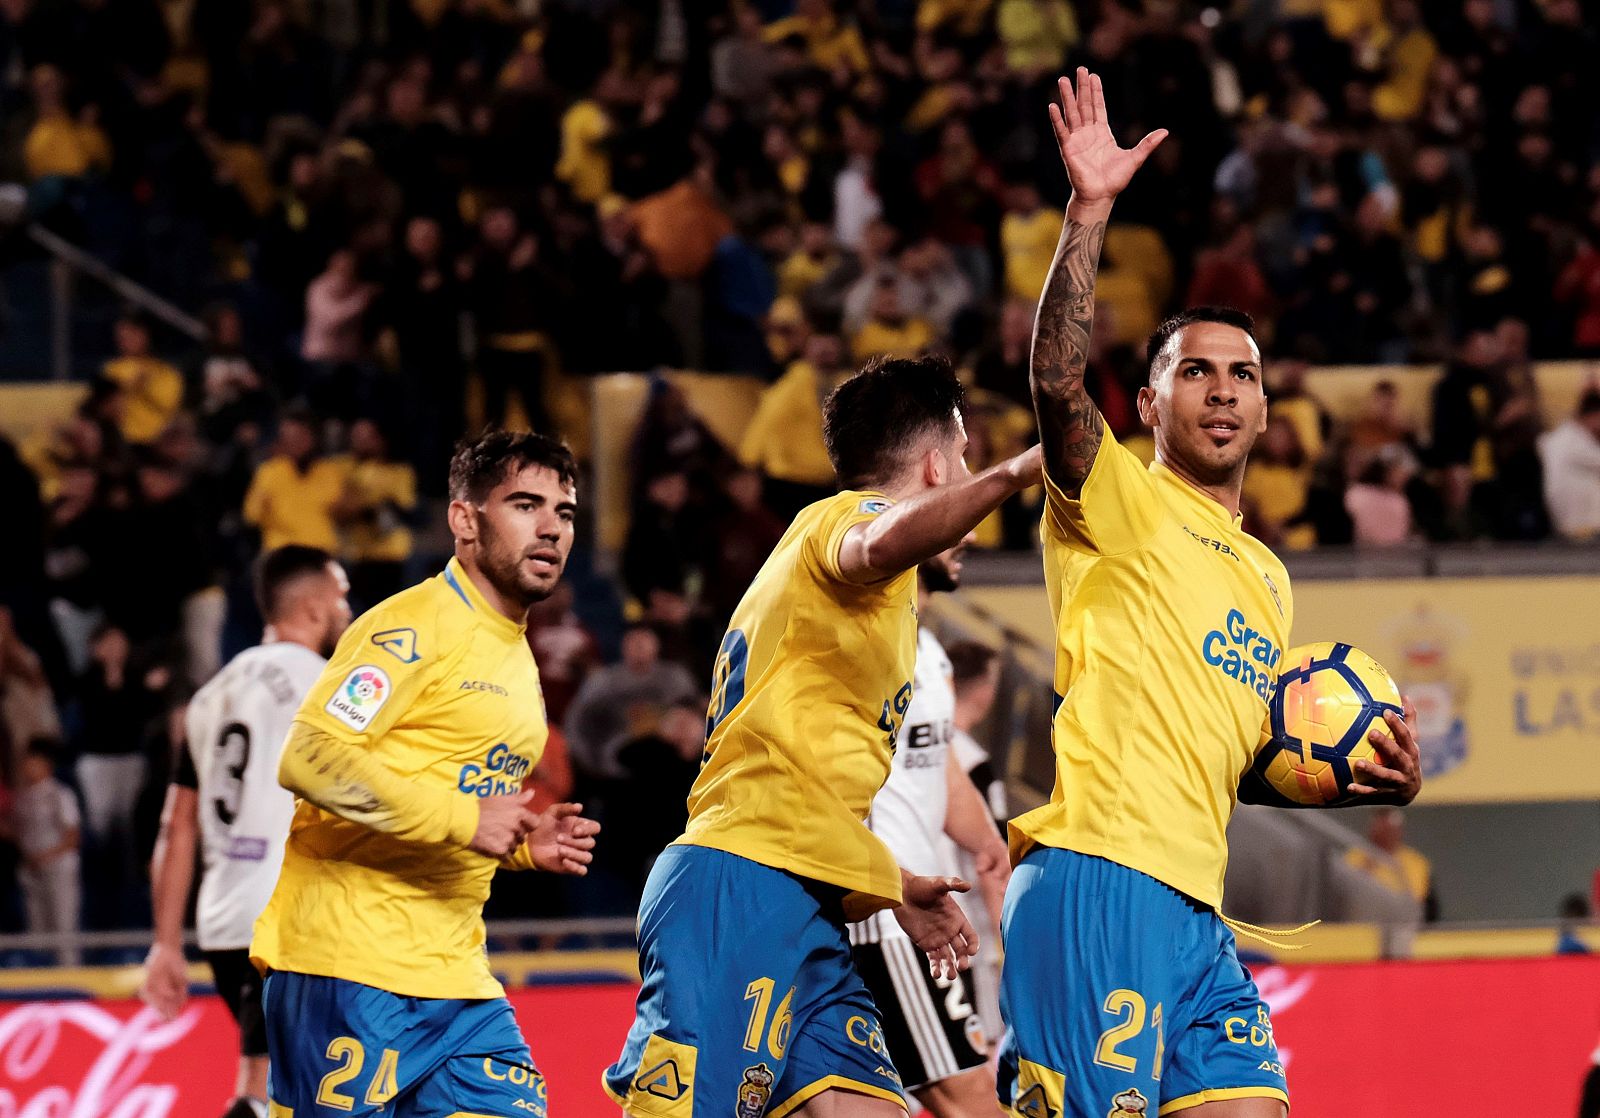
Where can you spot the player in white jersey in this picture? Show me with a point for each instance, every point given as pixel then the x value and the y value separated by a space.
pixel 225 798
pixel 935 1036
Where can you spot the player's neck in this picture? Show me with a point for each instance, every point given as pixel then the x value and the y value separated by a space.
pixel 506 607
pixel 1228 494
pixel 288 633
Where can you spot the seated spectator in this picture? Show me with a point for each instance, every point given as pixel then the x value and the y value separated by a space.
pixel 811 261
pixel 27 706
pixel 1578 287
pixel 1380 422
pixel 1376 502
pixel 1303 411
pixel 1276 485
pixel 1036 35
pixel 61 145
pixel 1570 455
pixel 150 389
pixel 1406 870
pixel 1029 233
pixel 336 302
pixel 784 439
pixel 564 649
pixel 379 498
pixel 831 44
pixel 293 494
pixel 617 701
pixel 46 825
pixel 889 330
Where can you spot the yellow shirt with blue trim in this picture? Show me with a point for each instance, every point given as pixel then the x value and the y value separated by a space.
pixel 1171 622
pixel 442 689
pixel 811 684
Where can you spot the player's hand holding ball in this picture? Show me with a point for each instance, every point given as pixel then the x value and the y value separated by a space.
pixel 165 988
pixel 503 822
pixel 563 840
pixel 936 924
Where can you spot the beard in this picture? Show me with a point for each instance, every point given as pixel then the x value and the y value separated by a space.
pixel 502 566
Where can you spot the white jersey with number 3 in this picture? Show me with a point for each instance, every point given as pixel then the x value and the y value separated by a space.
pixel 909 810
pixel 237 724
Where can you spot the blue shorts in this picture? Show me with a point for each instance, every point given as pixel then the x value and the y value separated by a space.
pixel 341 1047
pixel 750 1003
pixel 1123 997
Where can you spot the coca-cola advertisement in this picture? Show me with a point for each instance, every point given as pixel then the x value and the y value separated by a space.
pixel 1479 1039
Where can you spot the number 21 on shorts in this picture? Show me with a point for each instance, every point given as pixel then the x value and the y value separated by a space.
pixel 1129 1007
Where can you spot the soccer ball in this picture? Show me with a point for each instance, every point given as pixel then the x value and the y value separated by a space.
pixel 1328 698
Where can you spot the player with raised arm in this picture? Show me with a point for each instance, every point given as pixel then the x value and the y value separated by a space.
pixel 1122 991
pixel 408 758
pixel 751 1004
pixel 225 799
pixel 931 1023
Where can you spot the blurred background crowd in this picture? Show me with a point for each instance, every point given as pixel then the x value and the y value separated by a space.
pixel 403 219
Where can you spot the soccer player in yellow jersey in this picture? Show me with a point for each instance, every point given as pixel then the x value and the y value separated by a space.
pixel 408 757
pixel 751 1005
pixel 1121 989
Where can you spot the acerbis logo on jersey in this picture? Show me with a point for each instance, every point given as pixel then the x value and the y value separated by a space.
pixel 1243 653
pixel 360 696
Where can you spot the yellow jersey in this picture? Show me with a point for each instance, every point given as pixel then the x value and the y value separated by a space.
pixel 442 689
pixel 811 683
pixel 1170 625
pixel 291 506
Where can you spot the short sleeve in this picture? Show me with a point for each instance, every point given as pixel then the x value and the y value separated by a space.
pixel 845 511
pixel 1117 511
pixel 384 664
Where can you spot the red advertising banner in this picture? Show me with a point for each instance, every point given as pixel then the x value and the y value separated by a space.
pixel 1480 1039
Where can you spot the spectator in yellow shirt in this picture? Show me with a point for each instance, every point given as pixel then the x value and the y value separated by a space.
pixel 150 389
pixel 831 44
pixel 1036 35
pixel 584 164
pixel 1406 870
pixel 292 497
pixel 784 439
pixel 889 330
pixel 1028 235
pixel 59 145
pixel 380 494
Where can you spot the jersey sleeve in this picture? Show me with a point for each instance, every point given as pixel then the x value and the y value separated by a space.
pixel 383 669
pixel 827 539
pixel 383 665
pixel 1117 510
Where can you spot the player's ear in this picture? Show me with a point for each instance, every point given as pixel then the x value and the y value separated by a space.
pixel 463 520
pixel 935 469
pixel 1147 406
pixel 1261 427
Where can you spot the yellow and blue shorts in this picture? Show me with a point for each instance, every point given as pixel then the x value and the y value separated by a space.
pixel 750 1003
pixel 341 1047
pixel 1123 997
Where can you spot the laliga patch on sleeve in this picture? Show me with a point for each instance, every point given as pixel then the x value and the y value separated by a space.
pixel 875 505
pixel 360 696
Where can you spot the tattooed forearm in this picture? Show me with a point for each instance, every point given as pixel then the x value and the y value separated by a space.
pixel 1070 426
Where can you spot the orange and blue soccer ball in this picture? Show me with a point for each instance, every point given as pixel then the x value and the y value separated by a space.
pixel 1328 697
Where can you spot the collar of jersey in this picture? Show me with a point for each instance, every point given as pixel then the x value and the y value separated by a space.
pixel 1207 506
pixel 464 591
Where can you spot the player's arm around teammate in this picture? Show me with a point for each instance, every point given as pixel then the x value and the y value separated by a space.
pixel 912 531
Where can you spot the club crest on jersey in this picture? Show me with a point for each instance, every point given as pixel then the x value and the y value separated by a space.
pixel 399 643
pixel 874 505
pixel 360 696
pixel 754 1092
pixel 1129 1104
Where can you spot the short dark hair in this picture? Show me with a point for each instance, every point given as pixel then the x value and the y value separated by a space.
pixel 481 464
pixel 1589 402
pixel 277 569
pixel 1228 316
pixel 870 419
pixel 969 660
pixel 44 745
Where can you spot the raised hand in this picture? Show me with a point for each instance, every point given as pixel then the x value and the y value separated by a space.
pixel 563 840
pixel 1098 168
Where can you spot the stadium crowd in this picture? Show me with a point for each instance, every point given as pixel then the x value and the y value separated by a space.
pixel 405 218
